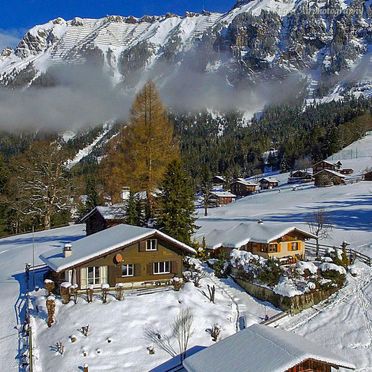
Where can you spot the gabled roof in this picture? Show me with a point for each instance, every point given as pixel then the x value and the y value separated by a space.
pixel 243 233
pixel 221 178
pixel 244 182
pixel 261 348
pixel 324 161
pixel 269 179
pixel 110 212
pixel 223 194
pixel 103 242
pixel 331 172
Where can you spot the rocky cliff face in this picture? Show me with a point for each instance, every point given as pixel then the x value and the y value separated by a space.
pixel 256 40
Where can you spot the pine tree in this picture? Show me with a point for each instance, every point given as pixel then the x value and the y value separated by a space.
pixel 176 204
pixel 93 198
pixel 131 210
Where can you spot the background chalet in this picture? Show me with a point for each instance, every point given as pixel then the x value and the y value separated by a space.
pixel 103 217
pixel 122 254
pixel 263 239
pixel 241 187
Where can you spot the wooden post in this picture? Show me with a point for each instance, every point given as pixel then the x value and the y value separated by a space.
pixel 85 368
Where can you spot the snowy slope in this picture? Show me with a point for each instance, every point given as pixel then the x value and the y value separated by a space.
pixel 15 252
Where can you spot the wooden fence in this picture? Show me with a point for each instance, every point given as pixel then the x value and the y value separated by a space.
pixel 352 254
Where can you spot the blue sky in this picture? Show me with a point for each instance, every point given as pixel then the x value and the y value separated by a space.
pixel 23 14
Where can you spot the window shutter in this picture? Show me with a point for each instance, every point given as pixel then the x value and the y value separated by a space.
pixel 83 278
pixel 142 246
pixel 174 267
pixel 149 268
pixel 137 269
pixel 103 275
pixel 279 247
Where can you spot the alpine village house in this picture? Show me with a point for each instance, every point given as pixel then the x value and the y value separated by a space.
pixel 134 256
pixel 267 240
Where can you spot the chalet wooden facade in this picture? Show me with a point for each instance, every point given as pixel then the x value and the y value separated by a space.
pixel 103 217
pixel 268 183
pixel 328 177
pixel 241 187
pixel 267 240
pixel 324 164
pixel 260 348
pixel 220 198
pixel 300 176
pixel 131 255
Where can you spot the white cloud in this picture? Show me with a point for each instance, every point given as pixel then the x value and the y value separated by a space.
pixel 9 38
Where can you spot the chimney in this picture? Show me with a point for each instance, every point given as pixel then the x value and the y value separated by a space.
pixel 67 250
pixel 260 222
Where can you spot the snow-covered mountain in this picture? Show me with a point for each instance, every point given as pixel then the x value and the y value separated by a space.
pixel 258 39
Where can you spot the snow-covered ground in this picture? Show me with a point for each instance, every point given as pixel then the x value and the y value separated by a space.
pixel 343 323
pixel 15 252
pixel 349 206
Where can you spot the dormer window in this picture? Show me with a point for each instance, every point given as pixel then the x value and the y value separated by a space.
pixel 151 245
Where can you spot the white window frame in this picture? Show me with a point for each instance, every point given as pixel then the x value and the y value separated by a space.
pixel 149 245
pixel 297 245
pixel 99 276
pixel 129 267
pixel 160 268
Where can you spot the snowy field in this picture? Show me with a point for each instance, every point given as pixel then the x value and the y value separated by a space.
pixel 349 206
pixel 15 252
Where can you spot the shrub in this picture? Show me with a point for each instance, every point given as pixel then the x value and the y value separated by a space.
pixel 270 273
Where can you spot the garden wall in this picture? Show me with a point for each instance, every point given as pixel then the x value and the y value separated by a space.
pixel 292 304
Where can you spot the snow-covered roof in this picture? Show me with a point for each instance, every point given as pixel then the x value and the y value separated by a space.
pixel 331 172
pixel 244 182
pixel 324 161
pixel 221 178
pixel 103 242
pixel 261 348
pixel 110 212
pixel 223 194
pixel 269 179
pixel 241 234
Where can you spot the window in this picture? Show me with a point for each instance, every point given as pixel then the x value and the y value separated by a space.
pixel 127 270
pixel 94 275
pixel 294 246
pixel 273 247
pixel 161 267
pixel 151 245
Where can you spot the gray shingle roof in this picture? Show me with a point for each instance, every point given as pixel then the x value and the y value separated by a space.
pixel 260 348
pixel 102 242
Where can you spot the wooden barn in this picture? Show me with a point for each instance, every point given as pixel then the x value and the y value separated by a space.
pixel 103 217
pixel 268 183
pixel 219 198
pixel 267 240
pixel 300 176
pixel 134 256
pixel 241 187
pixel 218 180
pixel 261 348
pixel 325 164
pixel 328 177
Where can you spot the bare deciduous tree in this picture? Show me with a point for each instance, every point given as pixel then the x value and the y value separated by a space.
pixel 320 225
pixel 181 332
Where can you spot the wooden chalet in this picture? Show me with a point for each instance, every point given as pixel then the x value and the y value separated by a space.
pixel 328 177
pixel 368 176
pixel 300 176
pixel 218 180
pixel 103 217
pixel 325 164
pixel 134 256
pixel 261 348
pixel 219 198
pixel 241 187
pixel 263 239
pixel 268 183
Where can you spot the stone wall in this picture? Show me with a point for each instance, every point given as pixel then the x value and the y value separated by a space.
pixel 292 304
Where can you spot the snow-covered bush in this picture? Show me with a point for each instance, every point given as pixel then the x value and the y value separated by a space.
pixel 287 288
pixel 306 268
pixel 194 276
pixel 215 332
pixel 333 272
pixel 270 272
